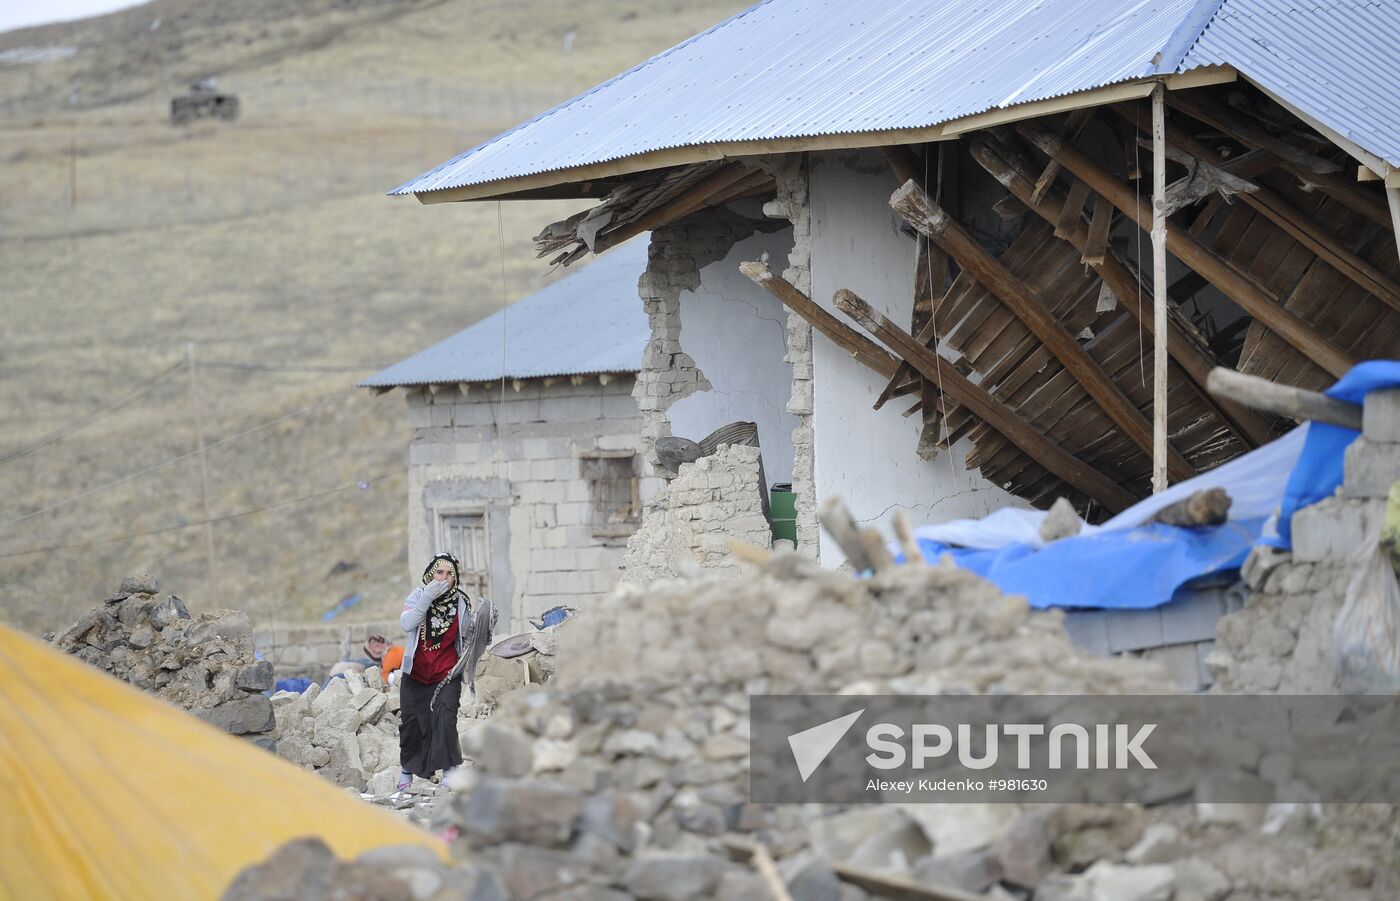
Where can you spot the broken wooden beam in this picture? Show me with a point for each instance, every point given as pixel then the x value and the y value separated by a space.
pixel 841 526
pixel 1194 361
pixel 908 544
pixel 1207 507
pixel 919 210
pixel 977 399
pixel 689 200
pixel 1237 286
pixel 1298 226
pixel 1285 400
pixel 1307 167
pixel 857 345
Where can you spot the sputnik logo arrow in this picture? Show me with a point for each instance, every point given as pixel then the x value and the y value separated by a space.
pixel 811 746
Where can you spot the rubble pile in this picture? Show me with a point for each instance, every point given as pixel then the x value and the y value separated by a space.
pixel 348 729
pixel 627 776
pixel 203 664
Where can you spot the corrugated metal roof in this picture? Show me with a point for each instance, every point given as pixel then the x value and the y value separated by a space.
pixel 801 68
pixel 590 322
pixel 1336 60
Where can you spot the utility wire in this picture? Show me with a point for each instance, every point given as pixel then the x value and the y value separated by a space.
pixel 140 472
pixel 362 484
pixel 76 425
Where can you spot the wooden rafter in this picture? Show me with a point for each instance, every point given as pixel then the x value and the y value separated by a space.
pixel 1306 166
pixel 919 210
pixel 1195 363
pixel 1244 291
pixel 1296 224
pixel 857 345
pixel 1017 430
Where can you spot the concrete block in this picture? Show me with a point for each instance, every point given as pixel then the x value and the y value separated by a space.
pixel 1183 662
pixel 1381 416
pixel 619 406
pixel 550 492
pixel 1334 528
pixel 441 415
pixel 617 442
pixel 573 513
pixel 1131 630
pixel 519 470
pixel 565 409
pixel 1370 468
pixel 419 416
pixel 473 413
pixel 577 490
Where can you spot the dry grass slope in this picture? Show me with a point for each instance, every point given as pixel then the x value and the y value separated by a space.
pixel 266 243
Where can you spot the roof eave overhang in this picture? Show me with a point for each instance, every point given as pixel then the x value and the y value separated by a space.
pixel 580 182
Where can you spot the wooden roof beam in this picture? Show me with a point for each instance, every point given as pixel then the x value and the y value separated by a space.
pixel 1298 226
pixel 1308 168
pixel 1196 364
pixel 848 339
pixel 919 210
pixel 976 398
pixel 1244 291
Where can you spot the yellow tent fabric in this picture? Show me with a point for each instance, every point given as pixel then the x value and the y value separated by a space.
pixel 112 793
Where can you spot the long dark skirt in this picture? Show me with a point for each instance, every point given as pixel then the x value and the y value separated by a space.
pixel 428 738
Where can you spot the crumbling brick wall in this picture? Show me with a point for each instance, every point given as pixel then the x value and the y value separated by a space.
pixel 711 501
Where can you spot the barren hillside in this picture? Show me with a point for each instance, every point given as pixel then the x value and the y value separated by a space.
pixel 268 245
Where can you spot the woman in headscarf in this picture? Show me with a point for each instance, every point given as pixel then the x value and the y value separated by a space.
pixel 445 635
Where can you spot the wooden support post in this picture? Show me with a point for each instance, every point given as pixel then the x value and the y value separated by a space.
pixel 1241 289
pixel 1159 290
pixel 857 345
pixel 1305 166
pixel 1285 400
pixel 921 212
pixel 1194 361
pixel 977 399
pixel 1302 229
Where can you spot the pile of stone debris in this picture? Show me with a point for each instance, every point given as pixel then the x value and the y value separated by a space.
pixel 626 776
pixel 204 664
pixel 348 730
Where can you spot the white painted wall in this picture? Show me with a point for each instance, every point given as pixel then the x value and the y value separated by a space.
pixel 867 456
pixel 737 335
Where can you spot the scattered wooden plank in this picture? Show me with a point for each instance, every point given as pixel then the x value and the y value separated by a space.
pixel 1073 207
pixel 979 401
pixel 854 343
pixel 883 886
pixel 920 211
pixel 907 542
pixel 1239 288
pixel 1294 403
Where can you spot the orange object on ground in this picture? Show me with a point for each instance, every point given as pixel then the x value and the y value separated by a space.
pixel 393 659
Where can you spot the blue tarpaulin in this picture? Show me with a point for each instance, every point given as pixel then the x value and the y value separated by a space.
pixel 1319 469
pixel 1131 563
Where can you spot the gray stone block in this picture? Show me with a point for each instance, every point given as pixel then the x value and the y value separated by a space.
pixel 1380 419
pixel 1334 528
pixel 1371 467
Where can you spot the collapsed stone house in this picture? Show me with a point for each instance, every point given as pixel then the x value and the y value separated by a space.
pixel 891 210
pixel 523 456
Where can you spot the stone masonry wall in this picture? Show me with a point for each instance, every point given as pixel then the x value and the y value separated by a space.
pixel 310 651
pixel 711 501
pixel 519 458
pixel 1282 639
pixel 791 204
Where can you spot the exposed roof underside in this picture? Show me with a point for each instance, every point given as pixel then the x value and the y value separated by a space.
pixel 590 322
pixel 845 74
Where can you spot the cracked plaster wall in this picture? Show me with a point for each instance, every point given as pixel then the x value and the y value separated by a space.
pixel 868 456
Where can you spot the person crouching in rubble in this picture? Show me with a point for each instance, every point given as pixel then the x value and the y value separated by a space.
pixel 446 633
